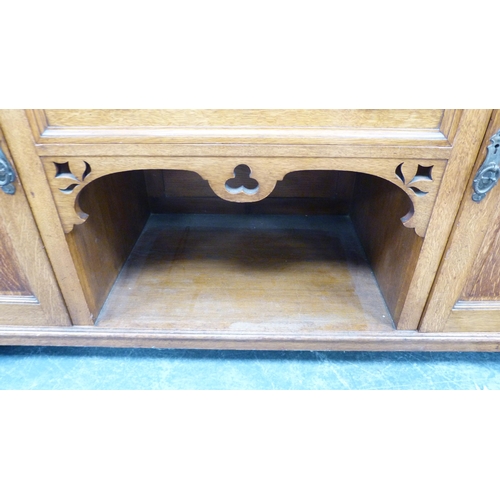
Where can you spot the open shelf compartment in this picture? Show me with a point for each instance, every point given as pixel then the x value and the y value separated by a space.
pixel 325 253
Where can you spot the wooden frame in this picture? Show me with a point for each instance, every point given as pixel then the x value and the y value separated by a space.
pixel 342 341
pixel 32 295
pixel 445 310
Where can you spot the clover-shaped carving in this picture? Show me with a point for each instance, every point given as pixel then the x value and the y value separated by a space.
pixel 242 181
pixel 423 174
pixel 77 172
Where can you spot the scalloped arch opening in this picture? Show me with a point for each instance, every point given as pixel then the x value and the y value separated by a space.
pixel 308 192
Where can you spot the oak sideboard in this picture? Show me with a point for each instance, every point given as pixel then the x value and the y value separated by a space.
pixel 251 229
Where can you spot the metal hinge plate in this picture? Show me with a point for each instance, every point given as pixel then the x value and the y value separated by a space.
pixel 488 175
pixel 7 175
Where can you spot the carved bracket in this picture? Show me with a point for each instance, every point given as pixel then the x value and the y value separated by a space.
pixel 418 188
pixel 489 173
pixel 243 180
pixel 7 175
pixel 68 179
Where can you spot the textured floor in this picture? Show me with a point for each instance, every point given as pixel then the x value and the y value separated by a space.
pixel 101 368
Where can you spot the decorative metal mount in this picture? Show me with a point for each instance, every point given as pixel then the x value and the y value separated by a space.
pixel 489 173
pixel 7 175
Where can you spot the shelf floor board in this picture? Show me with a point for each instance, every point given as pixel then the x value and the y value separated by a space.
pixel 241 273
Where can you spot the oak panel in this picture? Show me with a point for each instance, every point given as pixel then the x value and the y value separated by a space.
pixel 306 192
pixel 473 320
pixel 484 280
pixel 270 274
pixel 468 140
pixel 34 181
pixel 13 281
pixel 366 127
pixel 355 118
pixel 422 189
pixel 29 294
pixel 464 257
pixel 402 340
pixel 391 248
pixel 101 246
pixel 306 149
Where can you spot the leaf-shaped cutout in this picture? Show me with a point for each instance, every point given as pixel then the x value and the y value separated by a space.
pixel 399 172
pixel 418 192
pixel 63 171
pixel 87 170
pixel 422 174
pixel 69 189
pixel 79 168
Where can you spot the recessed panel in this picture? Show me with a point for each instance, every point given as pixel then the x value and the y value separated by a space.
pixel 357 118
pixel 13 281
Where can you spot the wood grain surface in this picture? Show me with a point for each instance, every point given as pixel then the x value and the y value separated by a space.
pixel 396 340
pixel 391 248
pixel 12 279
pixel 468 140
pixel 374 126
pixel 462 252
pixel 273 274
pixel 359 118
pixel 302 192
pixel 101 246
pixel 266 171
pixel 32 175
pixel 29 294
pixel 483 283
pixel 253 279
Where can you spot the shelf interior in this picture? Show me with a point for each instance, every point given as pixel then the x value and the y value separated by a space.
pixel 325 252
pixel 247 273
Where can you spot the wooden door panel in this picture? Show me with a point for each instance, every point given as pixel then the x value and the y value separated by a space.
pixel 484 281
pixel 29 294
pixel 478 308
pixel 466 293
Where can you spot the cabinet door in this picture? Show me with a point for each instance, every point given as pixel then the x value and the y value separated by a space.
pixel 29 294
pixel 466 293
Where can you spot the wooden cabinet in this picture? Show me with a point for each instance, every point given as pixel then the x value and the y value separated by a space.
pixel 280 229
pixel 29 294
